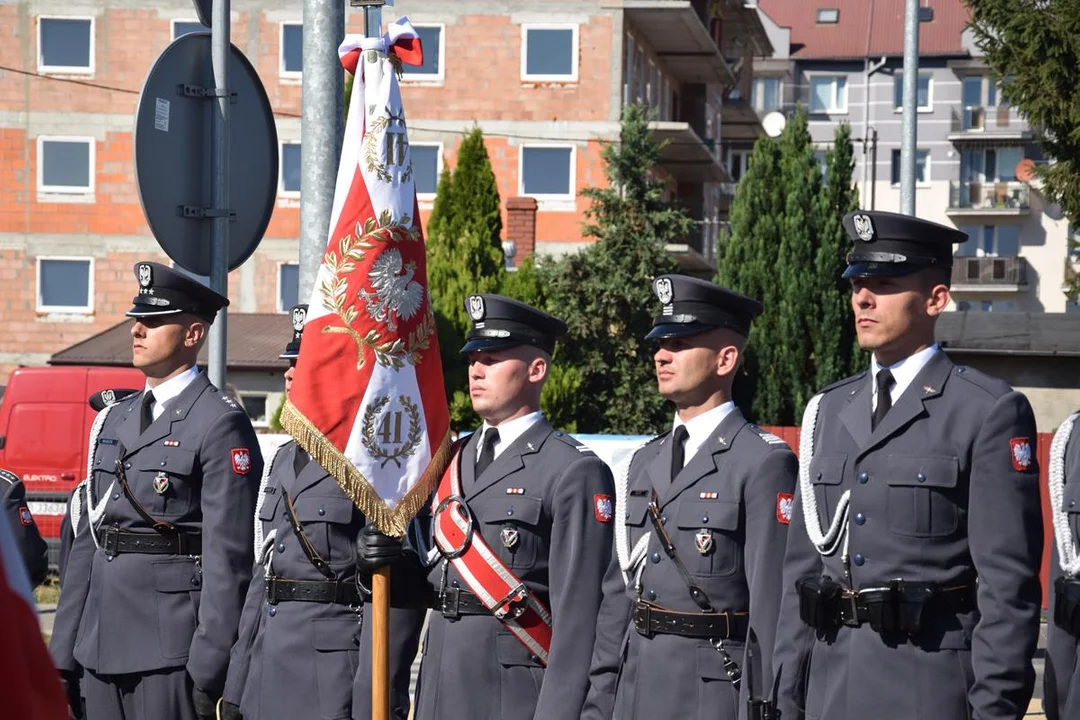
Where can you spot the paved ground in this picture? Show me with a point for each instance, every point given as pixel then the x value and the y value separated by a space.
pixel 46 613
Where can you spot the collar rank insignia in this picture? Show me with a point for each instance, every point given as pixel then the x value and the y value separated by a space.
pixel 515 491
pixel 703 539
pixel 928 389
pixel 161 483
pixel 509 536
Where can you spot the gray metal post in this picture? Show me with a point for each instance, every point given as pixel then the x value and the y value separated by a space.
pixel 909 128
pixel 321 130
pixel 219 186
pixel 372 20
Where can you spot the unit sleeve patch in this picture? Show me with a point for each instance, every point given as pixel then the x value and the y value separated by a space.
pixel 25 517
pixel 784 504
pixel 1020 450
pixel 241 461
pixel 604 508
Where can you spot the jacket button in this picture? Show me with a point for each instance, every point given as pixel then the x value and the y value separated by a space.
pixel 273 611
pixel 195 581
pixel 921 477
pixel 819 476
pixel 860 519
pixel 510 512
pixel 163 463
pixel 109 558
pixel 127 466
pixel 651 594
pixel 663 520
pixel 116 496
pixel 705 519
pixel 534 658
pixel 1072 503
pixel 655 557
pixel 322 511
pixel 863 478
pixel 455 583
pixel 859 559
pixel 281 547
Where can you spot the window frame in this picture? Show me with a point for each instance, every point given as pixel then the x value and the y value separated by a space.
pixel 39 299
pixel 439 164
pixel 44 189
pixel 821 18
pixel 282 192
pixel 67 69
pixel 835 109
pixel 929 107
pixel 756 95
pixel 926 181
pixel 575 52
pixel 439 77
pixel 265 423
pixel 277 299
pixel 567 201
pixel 187 21
pixel 282 72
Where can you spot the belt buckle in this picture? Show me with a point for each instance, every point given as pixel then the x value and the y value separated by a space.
pixel 644 616
pixel 727 624
pixel 111 542
pixel 271 596
pixel 849 608
pixel 507 607
pixel 450 603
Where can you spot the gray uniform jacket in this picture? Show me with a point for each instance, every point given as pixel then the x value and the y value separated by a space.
pixel 149 612
pixel 32 548
pixel 736 491
pixel 301 656
pixel 1061 682
pixel 546 486
pixel 945 491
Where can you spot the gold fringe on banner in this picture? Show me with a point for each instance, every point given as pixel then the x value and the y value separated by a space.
pixel 389 521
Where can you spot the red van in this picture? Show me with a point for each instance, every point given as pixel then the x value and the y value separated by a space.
pixel 44 427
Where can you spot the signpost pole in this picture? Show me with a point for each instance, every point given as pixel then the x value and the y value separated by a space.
pixel 219 186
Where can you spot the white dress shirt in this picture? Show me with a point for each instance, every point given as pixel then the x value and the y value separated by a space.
pixel 509 431
pixel 701 427
pixel 169 389
pixel 903 372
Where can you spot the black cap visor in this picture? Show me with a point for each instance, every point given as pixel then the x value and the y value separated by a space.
pixel 674 329
pixel 141 311
pixel 887 265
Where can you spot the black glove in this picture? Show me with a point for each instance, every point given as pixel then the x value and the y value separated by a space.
pixel 230 711
pixel 70 680
pixel 205 703
pixel 375 550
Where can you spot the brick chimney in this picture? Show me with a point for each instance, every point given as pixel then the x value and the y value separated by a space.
pixel 521 226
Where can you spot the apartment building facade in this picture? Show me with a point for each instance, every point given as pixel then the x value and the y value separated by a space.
pixel 546 80
pixel 843 61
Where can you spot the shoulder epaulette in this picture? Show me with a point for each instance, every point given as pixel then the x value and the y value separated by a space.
pixel 572 442
pixel 9 477
pixel 994 386
pixel 768 437
pixel 842 383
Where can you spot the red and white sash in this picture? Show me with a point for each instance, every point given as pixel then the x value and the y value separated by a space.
pixel 488 578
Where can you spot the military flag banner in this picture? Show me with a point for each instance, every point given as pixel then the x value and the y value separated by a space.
pixel 368 401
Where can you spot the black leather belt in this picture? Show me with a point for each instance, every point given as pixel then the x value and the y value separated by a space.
pixel 858 608
pixel 115 541
pixel 341 592
pixel 455 602
pixel 652 620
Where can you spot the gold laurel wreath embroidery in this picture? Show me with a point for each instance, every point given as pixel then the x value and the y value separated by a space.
pixel 342 262
pixel 369 434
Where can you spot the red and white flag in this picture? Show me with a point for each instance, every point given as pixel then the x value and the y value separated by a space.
pixel 368 401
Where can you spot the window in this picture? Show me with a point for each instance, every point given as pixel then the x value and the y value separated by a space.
pixel 255 407
pixel 924 100
pixel 828 94
pixel 828 16
pixel 426 164
pixel 65 285
pixel 431 39
pixel 990 164
pixel 997 306
pixel 547 172
pixel 823 162
pixel 922 167
pixel 290 170
pixel 292 50
pixel 549 53
pixel 288 286
pixel 990 241
pixel 183 27
pixel 66 45
pixel 65 165
pixel 738 162
pixel 765 94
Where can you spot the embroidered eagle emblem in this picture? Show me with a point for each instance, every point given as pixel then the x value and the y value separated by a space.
pixel 396 296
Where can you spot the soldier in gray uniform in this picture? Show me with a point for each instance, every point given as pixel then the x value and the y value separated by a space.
pixel 1061 682
pixel 300 631
pixel 542 502
pixel 911 582
pixel 702 518
pixel 32 548
pixel 163 550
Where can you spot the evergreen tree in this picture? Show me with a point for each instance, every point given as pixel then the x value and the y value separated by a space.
pixel 605 293
pixel 1033 47
pixel 836 349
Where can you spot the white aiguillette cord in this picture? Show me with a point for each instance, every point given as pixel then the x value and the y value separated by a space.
pixel 1068 557
pixel 826 541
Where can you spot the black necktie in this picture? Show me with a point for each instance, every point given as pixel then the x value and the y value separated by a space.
pixel 146 413
pixel 884 381
pixel 487 451
pixel 678 450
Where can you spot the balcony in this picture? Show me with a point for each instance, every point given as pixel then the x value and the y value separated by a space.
pixel 973 199
pixel 981 274
pixel 686 155
pixel 1002 123
pixel 678 31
